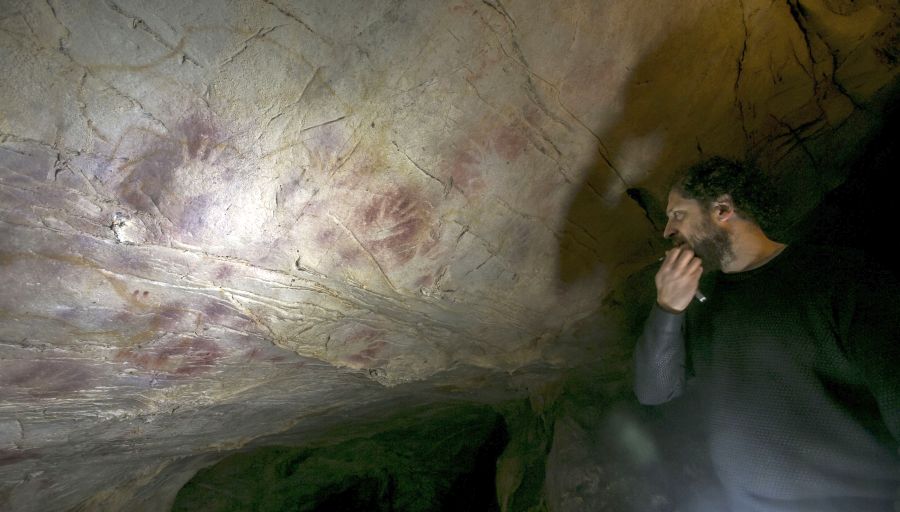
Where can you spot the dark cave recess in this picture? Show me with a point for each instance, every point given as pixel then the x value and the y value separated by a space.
pixel 433 459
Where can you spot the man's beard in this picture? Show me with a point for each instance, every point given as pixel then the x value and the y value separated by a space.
pixel 712 245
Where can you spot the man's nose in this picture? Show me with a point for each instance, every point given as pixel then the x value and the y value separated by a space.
pixel 670 230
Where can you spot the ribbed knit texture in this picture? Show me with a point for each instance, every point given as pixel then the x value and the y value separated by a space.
pixel 798 365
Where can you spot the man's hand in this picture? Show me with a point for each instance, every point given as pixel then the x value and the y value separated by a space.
pixel 678 279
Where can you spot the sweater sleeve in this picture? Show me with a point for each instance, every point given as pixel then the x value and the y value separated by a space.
pixel 659 358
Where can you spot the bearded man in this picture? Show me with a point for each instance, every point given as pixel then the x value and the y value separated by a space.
pixel 795 356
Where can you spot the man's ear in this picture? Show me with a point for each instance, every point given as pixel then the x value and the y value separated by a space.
pixel 723 208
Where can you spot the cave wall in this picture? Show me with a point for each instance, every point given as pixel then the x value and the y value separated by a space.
pixel 224 220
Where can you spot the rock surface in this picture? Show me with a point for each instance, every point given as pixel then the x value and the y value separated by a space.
pixel 221 221
pixel 431 460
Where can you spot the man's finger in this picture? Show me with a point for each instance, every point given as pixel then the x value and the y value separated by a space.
pixel 684 258
pixel 672 254
pixel 694 265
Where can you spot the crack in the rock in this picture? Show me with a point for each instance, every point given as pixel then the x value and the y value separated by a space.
pixel 540 147
pixel 737 80
pixel 309 82
pixel 478 94
pixel 294 103
pixel 298 20
pixel 87 71
pixel 528 216
pixel 323 123
pixel 530 88
pixel 12 137
pixel 795 10
pixel 137 22
pixel 566 178
pixel 478 267
pixel 82 107
pixel 799 138
pixel 302 268
pixel 493 251
pixel 809 72
pixel 797 14
pixel 261 33
pixel 593 189
pixel 497 6
pixel 602 149
pixel 444 186
pixel 250 314
pixel 60 43
pixel 586 233
pixel 367 251
pixel 340 163
pixel 520 59
pixel 36 40
pixel 465 229
pixel 646 202
pixel 213 292
pixel 134 101
pixel 834 81
pixel 65 215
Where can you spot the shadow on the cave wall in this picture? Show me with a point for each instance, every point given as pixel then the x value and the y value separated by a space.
pixel 839 188
pixel 807 161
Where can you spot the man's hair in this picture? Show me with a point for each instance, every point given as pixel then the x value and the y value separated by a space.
pixel 750 189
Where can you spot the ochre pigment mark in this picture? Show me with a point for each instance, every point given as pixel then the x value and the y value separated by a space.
pixel 224 272
pixel 259 354
pixel 8 457
pixel 173 177
pixel 326 236
pixel 7 258
pixel 75 260
pixel 177 356
pixel 368 357
pixel 488 146
pixel 45 377
pixel 152 324
pixel 509 142
pixel 464 171
pixel 396 224
pixel 366 346
pixel 424 281
pixel 223 313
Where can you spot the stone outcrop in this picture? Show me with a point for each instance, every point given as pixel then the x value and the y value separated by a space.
pixel 226 221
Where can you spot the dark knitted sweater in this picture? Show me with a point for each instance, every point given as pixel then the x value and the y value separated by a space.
pixel 798 366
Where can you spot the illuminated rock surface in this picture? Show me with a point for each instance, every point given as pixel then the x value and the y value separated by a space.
pixel 221 222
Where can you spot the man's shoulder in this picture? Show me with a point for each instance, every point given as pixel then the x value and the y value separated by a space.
pixel 830 258
pixel 837 264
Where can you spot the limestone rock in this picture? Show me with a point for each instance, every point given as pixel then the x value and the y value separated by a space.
pixel 228 219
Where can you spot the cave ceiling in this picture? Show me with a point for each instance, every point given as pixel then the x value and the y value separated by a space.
pixel 220 218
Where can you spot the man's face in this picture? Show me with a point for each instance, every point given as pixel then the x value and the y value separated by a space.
pixel 689 224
